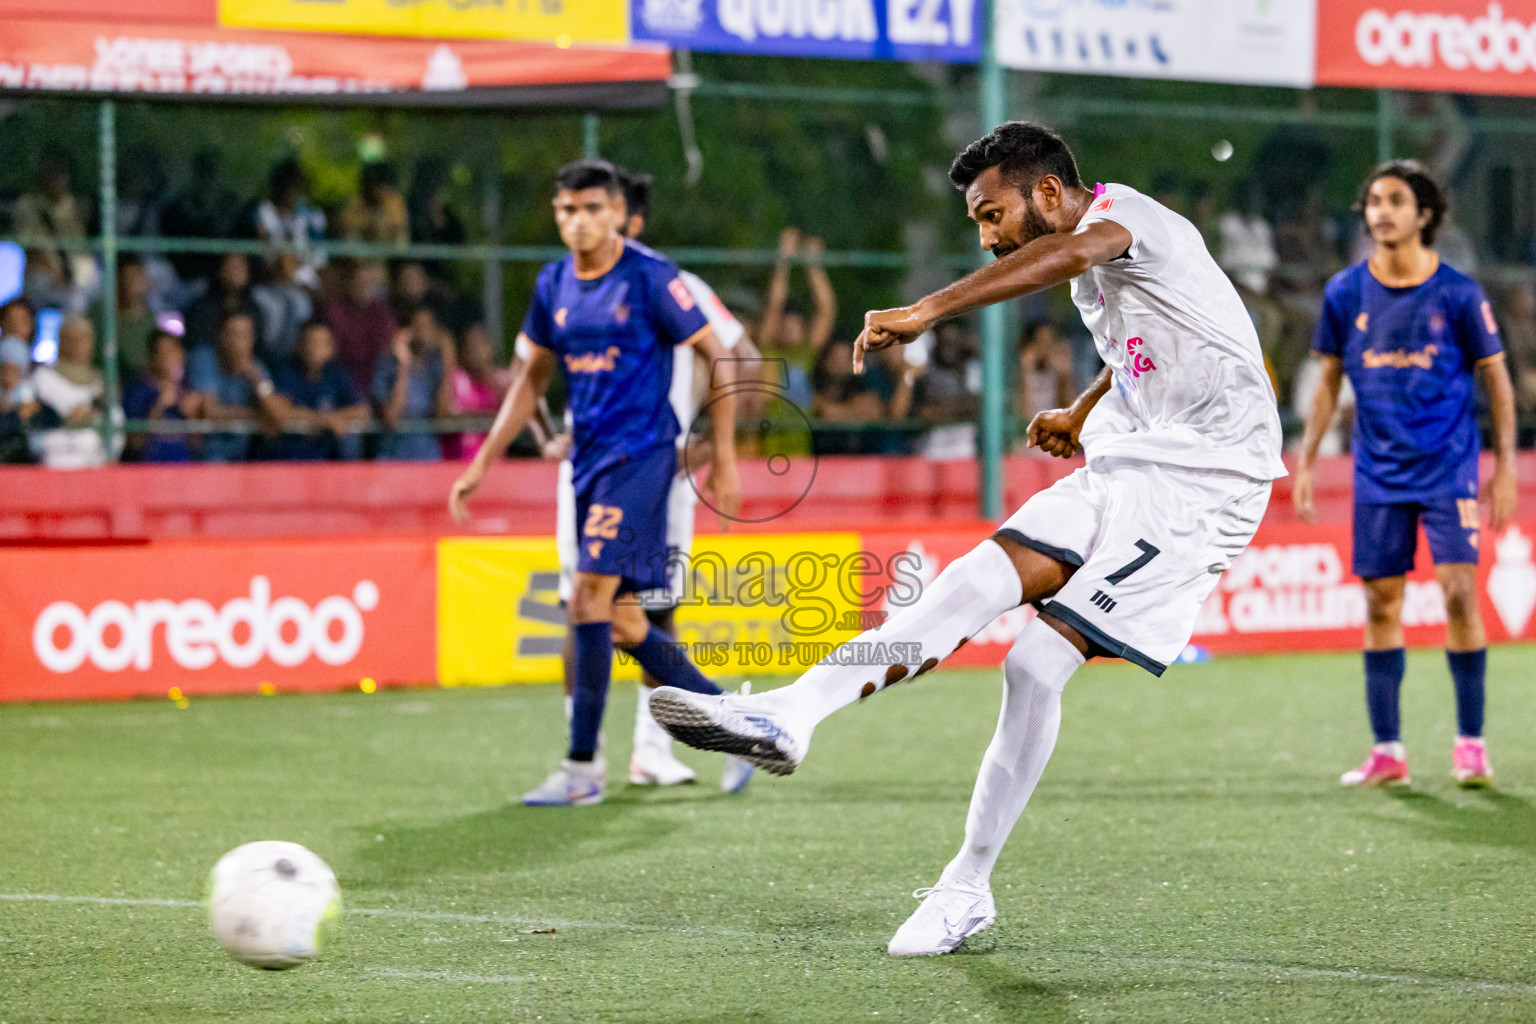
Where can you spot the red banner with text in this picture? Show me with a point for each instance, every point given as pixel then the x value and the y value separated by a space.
pixel 1291 590
pixel 1477 46
pixel 215 617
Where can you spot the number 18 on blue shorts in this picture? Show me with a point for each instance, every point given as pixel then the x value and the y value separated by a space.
pixel 1385 535
pixel 621 520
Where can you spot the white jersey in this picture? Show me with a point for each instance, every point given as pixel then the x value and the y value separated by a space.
pixel 727 328
pixel 1190 387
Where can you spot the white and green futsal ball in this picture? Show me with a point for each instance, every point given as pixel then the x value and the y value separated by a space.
pixel 272 904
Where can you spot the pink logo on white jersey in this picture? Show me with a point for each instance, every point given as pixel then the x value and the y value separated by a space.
pixel 1139 364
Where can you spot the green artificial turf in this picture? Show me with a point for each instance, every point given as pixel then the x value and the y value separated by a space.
pixel 1188 857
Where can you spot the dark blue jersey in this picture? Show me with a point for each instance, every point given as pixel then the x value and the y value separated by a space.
pixel 1409 352
pixel 613 335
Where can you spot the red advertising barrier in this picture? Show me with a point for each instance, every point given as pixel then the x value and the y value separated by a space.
pixel 1481 46
pixel 1291 590
pixel 212 617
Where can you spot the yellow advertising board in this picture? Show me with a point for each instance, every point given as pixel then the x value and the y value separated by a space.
pixel 754 605
pixel 550 21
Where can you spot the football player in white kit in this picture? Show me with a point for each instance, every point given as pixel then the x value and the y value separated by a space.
pixel 652 761
pixel 1182 439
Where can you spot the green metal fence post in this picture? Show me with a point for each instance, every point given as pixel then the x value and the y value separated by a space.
pixel 1383 125
pixel 590 148
pixel 994 371
pixel 107 132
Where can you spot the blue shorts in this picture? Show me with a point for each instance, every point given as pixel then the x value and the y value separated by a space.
pixel 1387 534
pixel 621 520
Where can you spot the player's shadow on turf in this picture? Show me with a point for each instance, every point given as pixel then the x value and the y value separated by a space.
pixel 508 839
pixel 1009 988
pixel 1491 818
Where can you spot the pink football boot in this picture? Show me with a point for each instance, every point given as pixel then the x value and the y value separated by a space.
pixel 1385 767
pixel 1469 764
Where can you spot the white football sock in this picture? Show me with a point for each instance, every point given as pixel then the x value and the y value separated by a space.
pixel 1034 674
pixel 974 590
pixel 648 733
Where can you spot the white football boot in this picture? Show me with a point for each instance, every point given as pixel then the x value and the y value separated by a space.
pixel 653 763
pixel 745 726
pixel 573 784
pixel 738 772
pixel 950 913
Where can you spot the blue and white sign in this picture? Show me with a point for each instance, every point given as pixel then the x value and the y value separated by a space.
pixel 946 30
pixel 1265 42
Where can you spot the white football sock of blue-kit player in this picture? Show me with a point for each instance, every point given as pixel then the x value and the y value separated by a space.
pixel 975 589
pixel 1034 675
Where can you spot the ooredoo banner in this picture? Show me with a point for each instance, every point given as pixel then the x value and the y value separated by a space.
pixel 1265 42
pixel 1453 45
pixel 212 617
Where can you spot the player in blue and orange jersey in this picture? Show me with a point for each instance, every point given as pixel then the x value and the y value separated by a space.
pixel 1414 336
pixel 609 314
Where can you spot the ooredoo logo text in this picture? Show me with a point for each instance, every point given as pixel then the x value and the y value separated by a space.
pixel 1489 42
pixel 116 635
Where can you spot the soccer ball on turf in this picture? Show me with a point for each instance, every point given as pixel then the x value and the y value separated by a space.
pixel 273 904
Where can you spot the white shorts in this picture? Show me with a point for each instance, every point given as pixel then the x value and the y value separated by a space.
pixel 1149 541
pixel 681 500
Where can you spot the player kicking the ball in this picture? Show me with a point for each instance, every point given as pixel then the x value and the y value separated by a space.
pixel 1412 333
pixel 1182 438
pixel 611 312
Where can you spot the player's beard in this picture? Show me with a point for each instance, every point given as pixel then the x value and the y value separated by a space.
pixel 1034 226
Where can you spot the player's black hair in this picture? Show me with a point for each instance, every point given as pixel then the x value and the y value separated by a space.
pixel 1024 153
pixel 1427 193
pixel 585 174
pixel 637 192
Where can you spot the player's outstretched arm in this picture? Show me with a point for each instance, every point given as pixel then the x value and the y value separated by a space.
pixel 1044 263
pixel 516 409
pixel 724 483
pixel 1324 401
pixel 1056 431
pixel 1503 489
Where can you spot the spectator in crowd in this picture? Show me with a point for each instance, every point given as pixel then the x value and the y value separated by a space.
pixel 432 220
pixel 233 387
pixel 50 213
pixel 842 397
pixel 228 294
pixel 479 385
pixel 72 388
pixel 18 401
pixel 947 394
pixel 377 213
pixel 1046 380
pixel 413 288
pixel 135 318
pixel 141 192
pixel 206 208
pixel 414 381
pixel 160 397
pixel 18 321
pixel 783 333
pixel 1309 376
pixel 1247 241
pixel 284 305
pixel 287 220
pixel 362 322
pixel 324 410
